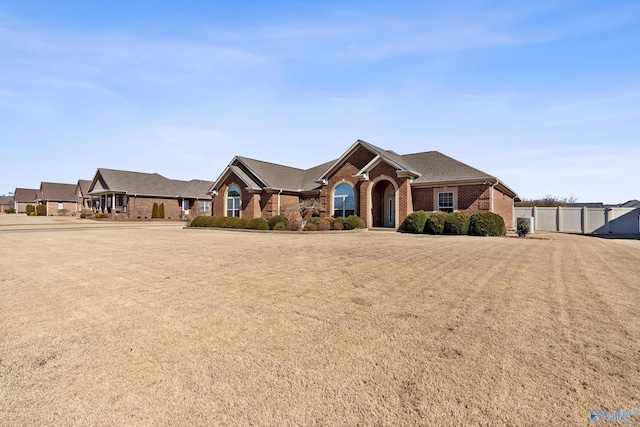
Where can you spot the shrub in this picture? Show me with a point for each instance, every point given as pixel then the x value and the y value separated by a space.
pixel 309 226
pixel 155 210
pixel 41 210
pixel 522 227
pixel 324 225
pixel 456 223
pixel 241 223
pixel 161 210
pixel 487 224
pixel 414 223
pixel 355 222
pixel 32 213
pixel 294 226
pixel 102 215
pixel 258 224
pixel 337 225
pixel 31 209
pixel 228 221
pixel 10 211
pixel 279 226
pixel 197 222
pixel 278 219
pixel 435 222
pixel 315 220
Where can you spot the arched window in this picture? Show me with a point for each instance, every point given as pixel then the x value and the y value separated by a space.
pixel 234 203
pixel 344 201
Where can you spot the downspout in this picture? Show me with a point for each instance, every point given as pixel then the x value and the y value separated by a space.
pixel 279 192
pixel 493 186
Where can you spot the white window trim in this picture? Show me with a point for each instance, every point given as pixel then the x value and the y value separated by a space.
pixel 226 200
pixel 333 197
pixel 436 197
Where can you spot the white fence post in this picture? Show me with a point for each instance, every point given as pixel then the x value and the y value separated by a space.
pixel 559 217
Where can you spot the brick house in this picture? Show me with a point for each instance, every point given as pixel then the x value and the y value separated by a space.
pixel 60 199
pixel 6 202
pixel 23 197
pixel 132 195
pixel 85 201
pixel 380 186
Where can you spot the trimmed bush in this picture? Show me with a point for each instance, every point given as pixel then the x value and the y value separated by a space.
pixel 278 219
pixel 199 221
pixel 32 213
pixel 30 209
pixel 228 221
pixel 161 210
pixel 279 226
pixel 258 224
pixel 435 222
pixel 414 223
pixel 337 225
pixel 155 210
pixel 324 225
pixel 351 222
pixel 315 220
pixel 309 226
pixel 294 226
pixel 41 210
pixel 457 223
pixel 102 215
pixel 355 222
pixel 487 224
pixel 241 224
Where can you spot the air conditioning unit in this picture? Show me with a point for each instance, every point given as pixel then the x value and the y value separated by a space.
pixel 527 221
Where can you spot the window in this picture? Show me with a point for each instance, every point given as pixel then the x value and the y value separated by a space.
pixel 445 202
pixel 60 206
pixel 233 201
pixel 205 205
pixel 185 205
pixel 344 201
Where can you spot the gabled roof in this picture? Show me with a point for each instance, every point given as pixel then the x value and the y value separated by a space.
pixel 428 168
pixel 6 200
pixel 630 204
pixel 83 185
pixel 390 157
pixel 257 175
pixel 146 184
pixel 26 195
pixel 57 192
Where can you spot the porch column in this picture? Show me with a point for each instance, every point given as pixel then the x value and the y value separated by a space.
pixel 256 211
pixel 404 203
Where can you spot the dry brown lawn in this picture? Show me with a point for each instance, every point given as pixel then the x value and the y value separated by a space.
pixel 151 324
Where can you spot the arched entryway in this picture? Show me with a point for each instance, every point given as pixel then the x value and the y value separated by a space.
pixel 383 204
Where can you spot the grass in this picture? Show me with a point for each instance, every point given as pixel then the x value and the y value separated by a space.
pixel 163 326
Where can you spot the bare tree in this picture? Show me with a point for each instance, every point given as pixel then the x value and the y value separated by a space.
pixel 547 201
pixel 304 209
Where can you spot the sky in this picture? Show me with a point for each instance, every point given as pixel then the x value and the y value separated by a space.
pixel 544 95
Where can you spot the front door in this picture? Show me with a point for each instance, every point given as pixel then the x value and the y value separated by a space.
pixel 390 206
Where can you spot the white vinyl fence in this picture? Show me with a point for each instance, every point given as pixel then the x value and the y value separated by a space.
pixel 583 220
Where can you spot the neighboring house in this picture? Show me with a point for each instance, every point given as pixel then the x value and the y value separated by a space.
pixel 6 202
pixel 85 201
pixel 23 197
pixel 60 199
pixel 133 194
pixel 630 204
pixel 378 185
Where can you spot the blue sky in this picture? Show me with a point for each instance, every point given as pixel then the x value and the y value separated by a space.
pixel 543 95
